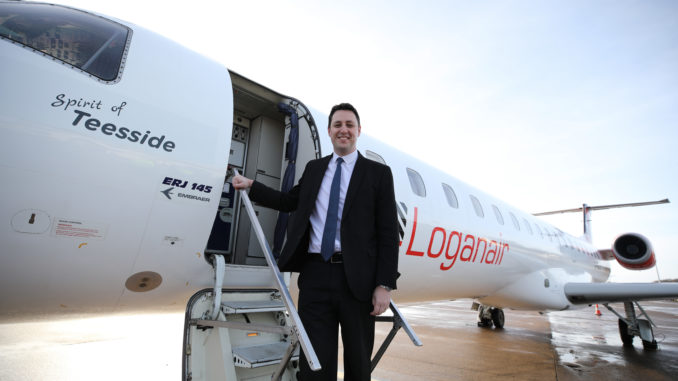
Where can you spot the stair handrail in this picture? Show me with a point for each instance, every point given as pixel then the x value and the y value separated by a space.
pixel 405 325
pixel 298 327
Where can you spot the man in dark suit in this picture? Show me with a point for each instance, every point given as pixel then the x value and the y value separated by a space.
pixel 343 240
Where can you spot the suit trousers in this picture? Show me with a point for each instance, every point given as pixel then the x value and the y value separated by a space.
pixel 325 302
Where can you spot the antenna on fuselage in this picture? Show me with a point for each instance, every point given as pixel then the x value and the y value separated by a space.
pixel 587 212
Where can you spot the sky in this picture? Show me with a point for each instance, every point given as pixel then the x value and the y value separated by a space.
pixel 544 104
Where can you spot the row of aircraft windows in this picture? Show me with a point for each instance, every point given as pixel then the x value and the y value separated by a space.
pixel 419 188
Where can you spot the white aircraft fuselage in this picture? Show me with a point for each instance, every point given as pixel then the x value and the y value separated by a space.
pixel 113 187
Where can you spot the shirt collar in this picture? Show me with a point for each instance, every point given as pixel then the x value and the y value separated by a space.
pixel 348 159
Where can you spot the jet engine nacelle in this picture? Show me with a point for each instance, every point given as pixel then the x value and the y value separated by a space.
pixel 634 251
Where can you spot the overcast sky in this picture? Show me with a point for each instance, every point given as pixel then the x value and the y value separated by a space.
pixel 545 104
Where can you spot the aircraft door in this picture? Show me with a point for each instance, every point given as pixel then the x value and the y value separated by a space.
pixel 222 236
pixel 264 157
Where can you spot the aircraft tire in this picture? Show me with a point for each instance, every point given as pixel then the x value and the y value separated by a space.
pixel 485 323
pixel 498 318
pixel 624 334
pixel 650 345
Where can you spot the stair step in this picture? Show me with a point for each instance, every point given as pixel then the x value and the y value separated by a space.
pixel 252 306
pixel 261 355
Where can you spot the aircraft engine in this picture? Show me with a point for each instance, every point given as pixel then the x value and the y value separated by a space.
pixel 634 251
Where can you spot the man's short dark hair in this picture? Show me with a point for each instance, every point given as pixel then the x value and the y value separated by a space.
pixel 345 107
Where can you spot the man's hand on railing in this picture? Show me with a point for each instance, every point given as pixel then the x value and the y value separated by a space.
pixel 381 298
pixel 241 182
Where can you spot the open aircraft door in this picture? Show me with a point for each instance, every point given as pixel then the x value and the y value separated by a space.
pixel 247 327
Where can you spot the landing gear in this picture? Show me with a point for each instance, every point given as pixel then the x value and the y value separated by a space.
pixel 485 323
pixel 630 326
pixel 650 345
pixel 626 338
pixel 488 316
pixel 497 317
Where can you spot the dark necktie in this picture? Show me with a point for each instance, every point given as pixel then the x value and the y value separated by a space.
pixel 330 231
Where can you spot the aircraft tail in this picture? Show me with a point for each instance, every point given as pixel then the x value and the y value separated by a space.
pixel 586 210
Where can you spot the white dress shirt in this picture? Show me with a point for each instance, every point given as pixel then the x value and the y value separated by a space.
pixel 320 211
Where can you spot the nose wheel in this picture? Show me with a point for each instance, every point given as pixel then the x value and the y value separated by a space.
pixel 497 317
pixel 489 316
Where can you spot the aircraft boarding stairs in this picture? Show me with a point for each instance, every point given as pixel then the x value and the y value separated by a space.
pixel 254 333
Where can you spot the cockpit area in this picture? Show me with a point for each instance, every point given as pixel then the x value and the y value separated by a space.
pixel 86 42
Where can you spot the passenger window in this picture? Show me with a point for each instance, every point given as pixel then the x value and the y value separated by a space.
pixel 375 157
pixel 87 42
pixel 416 182
pixel 539 231
pixel 559 237
pixel 497 214
pixel 515 221
pixel 451 196
pixel 527 226
pixel 476 205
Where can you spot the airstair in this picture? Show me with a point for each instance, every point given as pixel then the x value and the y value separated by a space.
pixel 253 333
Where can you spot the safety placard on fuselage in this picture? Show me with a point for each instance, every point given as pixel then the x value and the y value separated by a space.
pixel 68 227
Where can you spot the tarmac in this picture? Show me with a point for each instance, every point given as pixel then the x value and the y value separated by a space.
pixel 563 346
pixel 567 345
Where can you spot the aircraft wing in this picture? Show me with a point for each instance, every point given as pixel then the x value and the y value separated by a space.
pixel 599 293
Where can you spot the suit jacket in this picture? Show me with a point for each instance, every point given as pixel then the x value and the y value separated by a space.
pixel 369 226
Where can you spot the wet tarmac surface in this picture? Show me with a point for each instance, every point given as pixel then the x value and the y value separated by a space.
pixel 564 346
pixel 570 345
pixel 110 348
pixel 589 347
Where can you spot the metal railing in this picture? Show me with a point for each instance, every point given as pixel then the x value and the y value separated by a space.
pixel 297 326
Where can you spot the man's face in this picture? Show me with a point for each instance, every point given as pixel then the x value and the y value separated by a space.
pixel 344 131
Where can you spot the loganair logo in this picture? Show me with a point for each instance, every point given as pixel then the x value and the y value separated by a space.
pixel 453 245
